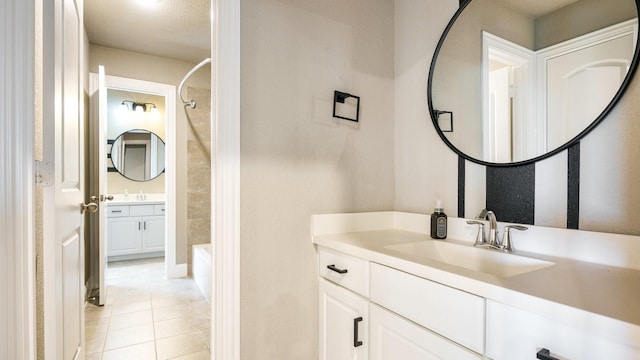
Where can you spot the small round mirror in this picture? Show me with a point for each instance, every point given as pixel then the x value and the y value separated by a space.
pixel 138 155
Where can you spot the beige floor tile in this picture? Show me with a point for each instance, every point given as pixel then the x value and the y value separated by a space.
pixel 94 356
pixel 180 345
pixel 160 302
pixel 144 351
pixel 148 316
pixel 200 355
pixel 95 342
pixel 95 313
pixel 125 308
pixel 171 312
pixel 129 336
pixel 175 327
pixel 137 318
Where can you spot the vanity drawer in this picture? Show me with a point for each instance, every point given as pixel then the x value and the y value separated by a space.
pixel 452 313
pixel 158 209
pixel 117 211
pixel 141 210
pixel 346 270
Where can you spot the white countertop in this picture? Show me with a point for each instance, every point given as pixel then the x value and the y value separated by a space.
pixel 579 288
pixel 134 199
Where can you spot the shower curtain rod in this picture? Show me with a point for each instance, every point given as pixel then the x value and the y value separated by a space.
pixel 191 103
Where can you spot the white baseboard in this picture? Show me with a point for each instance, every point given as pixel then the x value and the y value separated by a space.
pixel 179 270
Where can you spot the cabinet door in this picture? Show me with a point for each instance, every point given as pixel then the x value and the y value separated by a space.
pixel 393 337
pixel 514 334
pixel 124 236
pixel 153 235
pixel 343 323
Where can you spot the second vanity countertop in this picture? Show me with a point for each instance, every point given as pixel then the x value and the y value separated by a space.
pixel 133 199
pixel 611 292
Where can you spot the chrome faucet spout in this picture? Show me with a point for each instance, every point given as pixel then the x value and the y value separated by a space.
pixel 493 226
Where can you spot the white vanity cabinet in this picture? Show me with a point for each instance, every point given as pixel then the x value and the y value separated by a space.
pixel 370 311
pixel 514 333
pixel 393 337
pixel 344 318
pixel 135 230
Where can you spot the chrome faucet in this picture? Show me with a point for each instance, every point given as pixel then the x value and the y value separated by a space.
pixel 494 241
pixel 485 214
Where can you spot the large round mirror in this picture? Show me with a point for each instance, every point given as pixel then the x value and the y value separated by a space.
pixel 515 81
pixel 138 155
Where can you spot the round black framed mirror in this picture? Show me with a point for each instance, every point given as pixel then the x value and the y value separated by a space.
pixel 516 81
pixel 138 155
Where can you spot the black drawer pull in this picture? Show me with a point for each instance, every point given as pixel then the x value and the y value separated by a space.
pixel 116 211
pixel 545 354
pixel 334 268
pixel 356 342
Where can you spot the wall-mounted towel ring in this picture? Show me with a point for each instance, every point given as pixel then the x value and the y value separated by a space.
pixel 340 97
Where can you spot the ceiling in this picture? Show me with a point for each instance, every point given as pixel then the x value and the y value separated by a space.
pixel 178 29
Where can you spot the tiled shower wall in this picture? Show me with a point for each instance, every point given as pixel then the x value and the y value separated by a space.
pixel 198 170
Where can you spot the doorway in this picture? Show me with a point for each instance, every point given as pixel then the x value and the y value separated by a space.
pixel 149 199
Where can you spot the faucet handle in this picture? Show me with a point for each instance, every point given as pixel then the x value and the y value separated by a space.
pixel 480 236
pixel 507 244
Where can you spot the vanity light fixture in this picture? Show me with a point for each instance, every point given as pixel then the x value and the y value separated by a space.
pixel 139 107
pixel 340 97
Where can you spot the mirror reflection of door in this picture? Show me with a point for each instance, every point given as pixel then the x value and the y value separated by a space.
pixel 138 155
pixel 509 108
pixel 572 76
pixel 135 160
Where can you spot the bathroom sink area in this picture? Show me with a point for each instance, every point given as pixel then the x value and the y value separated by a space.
pixel 469 257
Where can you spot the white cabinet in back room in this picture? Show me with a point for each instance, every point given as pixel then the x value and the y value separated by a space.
pixel 135 230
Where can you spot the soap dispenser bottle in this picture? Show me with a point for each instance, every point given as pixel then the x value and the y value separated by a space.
pixel 439 222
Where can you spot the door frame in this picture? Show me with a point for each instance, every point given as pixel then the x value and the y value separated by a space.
pixel 225 175
pixel 17 60
pixel 172 268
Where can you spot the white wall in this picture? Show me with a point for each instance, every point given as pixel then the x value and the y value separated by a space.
pixel 296 160
pixel 426 170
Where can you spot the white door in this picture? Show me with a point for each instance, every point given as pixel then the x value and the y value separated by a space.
pixel 63 149
pixel 343 323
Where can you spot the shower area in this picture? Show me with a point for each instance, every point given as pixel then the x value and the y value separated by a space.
pixel 197 108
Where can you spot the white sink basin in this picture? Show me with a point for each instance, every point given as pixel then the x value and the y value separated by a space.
pixel 470 257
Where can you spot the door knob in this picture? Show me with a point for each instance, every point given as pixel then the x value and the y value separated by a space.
pixel 101 197
pixel 90 207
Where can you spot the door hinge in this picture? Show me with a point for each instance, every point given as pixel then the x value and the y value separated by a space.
pixel 44 173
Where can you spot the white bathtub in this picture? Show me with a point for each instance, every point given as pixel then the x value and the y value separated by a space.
pixel 201 269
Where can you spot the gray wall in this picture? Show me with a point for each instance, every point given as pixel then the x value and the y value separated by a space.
pixel 296 160
pixel 561 24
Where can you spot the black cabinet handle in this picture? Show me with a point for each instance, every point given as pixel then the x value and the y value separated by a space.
pixel 334 268
pixel 545 354
pixel 356 342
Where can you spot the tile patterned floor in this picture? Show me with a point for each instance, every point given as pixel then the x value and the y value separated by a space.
pixel 147 316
